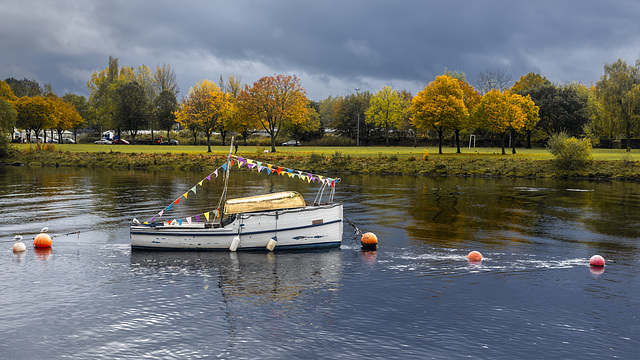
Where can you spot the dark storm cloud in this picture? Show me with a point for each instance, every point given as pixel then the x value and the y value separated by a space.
pixel 333 46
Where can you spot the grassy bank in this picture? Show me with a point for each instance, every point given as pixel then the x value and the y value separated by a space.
pixel 535 163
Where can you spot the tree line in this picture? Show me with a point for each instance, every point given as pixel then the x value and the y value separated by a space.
pixel 127 99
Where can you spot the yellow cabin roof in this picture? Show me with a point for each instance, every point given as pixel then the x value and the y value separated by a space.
pixel 275 201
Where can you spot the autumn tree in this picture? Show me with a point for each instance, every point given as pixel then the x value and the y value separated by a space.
pixel 504 113
pixel 85 111
pixel 34 113
pixel 276 102
pixel 64 115
pixel 527 82
pixel 471 99
pixel 206 107
pixel 6 92
pixel 440 105
pixel 386 110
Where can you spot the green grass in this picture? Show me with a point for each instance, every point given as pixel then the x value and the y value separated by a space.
pixel 372 151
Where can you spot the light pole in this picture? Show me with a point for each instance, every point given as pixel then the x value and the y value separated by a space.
pixel 358 127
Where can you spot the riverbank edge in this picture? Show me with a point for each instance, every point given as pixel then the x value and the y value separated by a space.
pixel 337 164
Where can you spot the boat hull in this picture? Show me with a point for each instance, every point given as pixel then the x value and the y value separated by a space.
pixel 300 228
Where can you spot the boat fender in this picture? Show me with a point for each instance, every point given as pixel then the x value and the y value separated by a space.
pixel 234 243
pixel 272 243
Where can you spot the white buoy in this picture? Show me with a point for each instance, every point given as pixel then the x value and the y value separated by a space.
pixel 19 246
pixel 272 243
pixel 234 243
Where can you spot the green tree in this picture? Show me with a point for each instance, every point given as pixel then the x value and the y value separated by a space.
pixel 386 110
pixel 617 90
pixel 349 117
pixel 132 108
pixel 24 87
pixel 440 105
pixel 164 107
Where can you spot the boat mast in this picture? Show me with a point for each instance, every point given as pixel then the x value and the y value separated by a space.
pixel 223 199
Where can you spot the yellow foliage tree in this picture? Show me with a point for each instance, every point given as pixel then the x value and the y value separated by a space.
pixel 6 92
pixel 34 113
pixel 440 105
pixel 504 113
pixel 276 103
pixel 205 108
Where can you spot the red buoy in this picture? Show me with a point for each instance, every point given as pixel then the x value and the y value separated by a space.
pixel 474 256
pixel 596 260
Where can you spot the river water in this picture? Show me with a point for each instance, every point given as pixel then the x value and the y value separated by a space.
pixel 416 297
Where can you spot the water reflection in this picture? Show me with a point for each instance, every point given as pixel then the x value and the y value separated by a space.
pixel 252 277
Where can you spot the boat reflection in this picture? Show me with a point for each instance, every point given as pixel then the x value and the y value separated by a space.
pixel 255 277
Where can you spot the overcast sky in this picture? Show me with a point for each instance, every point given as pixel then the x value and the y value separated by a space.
pixel 334 47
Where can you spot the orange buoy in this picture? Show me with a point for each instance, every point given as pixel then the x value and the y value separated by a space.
pixel 596 260
pixel 369 240
pixel 42 241
pixel 474 256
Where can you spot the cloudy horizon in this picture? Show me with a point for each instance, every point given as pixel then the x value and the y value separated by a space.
pixel 332 47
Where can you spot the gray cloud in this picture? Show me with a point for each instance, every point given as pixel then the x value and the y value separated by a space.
pixel 332 46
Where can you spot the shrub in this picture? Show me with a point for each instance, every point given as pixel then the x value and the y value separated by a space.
pixel 570 152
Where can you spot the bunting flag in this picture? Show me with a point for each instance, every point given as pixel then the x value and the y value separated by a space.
pixel 185 194
pixel 198 219
pixel 215 172
pixel 206 215
pixel 193 189
pixel 189 220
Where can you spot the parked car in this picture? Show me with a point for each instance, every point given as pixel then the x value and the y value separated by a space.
pixel 170 142
pixel 291 143
pixel 68 141
pixel 121 141
pixel 103 141
pixel 37 139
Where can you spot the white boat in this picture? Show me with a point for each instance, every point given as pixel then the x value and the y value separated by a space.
pixel 266 222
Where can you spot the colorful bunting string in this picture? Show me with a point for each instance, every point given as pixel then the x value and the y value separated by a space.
pixel 251 164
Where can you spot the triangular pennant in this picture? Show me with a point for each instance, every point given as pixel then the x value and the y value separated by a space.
pixel 260 168
pixel 153 218
pixel 279 170
pixel 249 163
pixel 160 213
pixel 198 219
pixel 269 166
pixel 224 166
pixel 189 220
pixel 169 207
pixel 179 221
pixel 333 184
pixel 209 177
pixel 177 201
pixel 194 189
pixel 251 166
pixel 217 213
pixel 215 172
pixel 206 215
pixel 241 161
pixel 231 164
pixel 310 177
pixel 185 194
